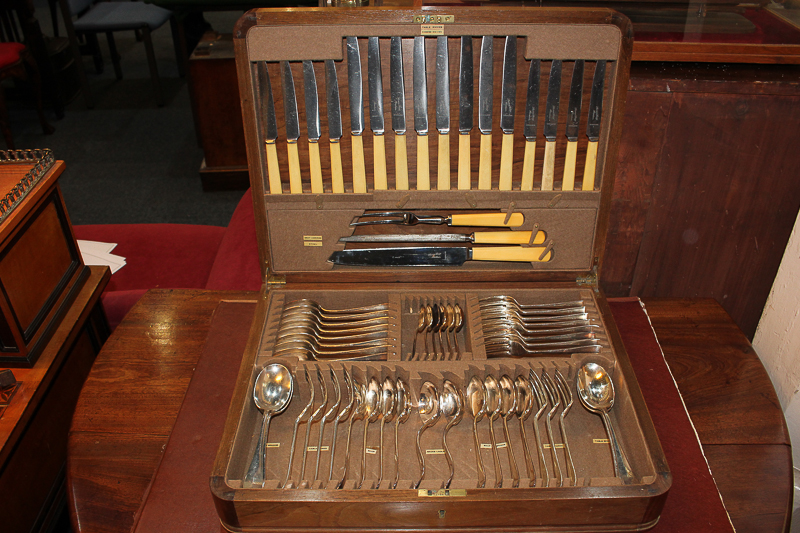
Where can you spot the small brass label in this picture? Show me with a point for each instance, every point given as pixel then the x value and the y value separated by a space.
pixel 372 451
pixel 312 237
pixel 312 243
pixel 314 448
pixel 434 19
pixel 273 445
pixel 558 446
pixel 442 493
pixel 434 452
pixel 485 446
pixel 432 29
pixel 600 441
pixel 501 445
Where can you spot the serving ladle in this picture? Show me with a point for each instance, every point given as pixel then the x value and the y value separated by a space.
pixel 596 392
pixel 429 413
pixel 476 403
pixel 341 417
pixel 372 412
pixel 508 400
pixel 452 405
pixel 403 406
pixel 387 408
pixel 493 407
pixel 358 392
pixel 524 407
pixel 271 394
pixel 296 425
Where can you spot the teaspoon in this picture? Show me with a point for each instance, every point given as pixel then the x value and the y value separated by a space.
pixel 493 407
pixel 476 403
pixel 429 413
pixel 596 391
pixel 271 394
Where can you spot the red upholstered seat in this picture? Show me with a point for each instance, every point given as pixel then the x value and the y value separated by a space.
pixel 10 53
pixel 178 256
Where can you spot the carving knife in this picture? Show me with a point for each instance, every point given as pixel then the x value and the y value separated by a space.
pixel 551 124
pixel 531 120
pixel 573 122
pixel 269 127
pixel 421 114
pixel 356 89
pixel 508 96
pixel 312 123
pixel 292 128
pixel 438 255
pixel 375 84
pixel 593 125
pixel 485 102
pixel 398 93
pixel 443 112
pixel 407 218
pixel 465 119
pixel 479 237
pixel 334 125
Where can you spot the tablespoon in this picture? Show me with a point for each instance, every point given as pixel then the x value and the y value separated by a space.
pixel 436 324
pixel 458 325
pixel 403 406
pixel 358 413
pixel 429 412
pixel 296 424
pixel 450 325
pixel 452 404
pixel 508 399
pixel 555 401
pixel 566 400
pixel 271 394
pixel 428 328
pixel 316 415
pixel 493 407
pixel 387 408
pixel 476 403
pixel 342 416
pixel 524 407
pixel 330 413
pixel 372 412
pixel 596 392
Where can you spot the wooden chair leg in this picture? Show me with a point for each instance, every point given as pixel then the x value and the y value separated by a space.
pixel 36 81
pixel 4 121
pixel 112 48
pixel 179 42
pixel 151 61
pixel 76 53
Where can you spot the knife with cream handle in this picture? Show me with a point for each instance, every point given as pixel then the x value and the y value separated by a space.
pixel 485 103
pixel 269 127
pixel 508 98
pixel 551 125
pixel 398 95
pixel 334 125
pixel 465 108
pixel 421 114
pixel 292 124
pixel 573 122
pixel 531 120
pixel 356 91
pixel 443 112
pixel 312 123
pixel 376 123
pixel 593 125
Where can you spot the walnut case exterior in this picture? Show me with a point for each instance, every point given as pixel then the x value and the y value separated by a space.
pixel 575 222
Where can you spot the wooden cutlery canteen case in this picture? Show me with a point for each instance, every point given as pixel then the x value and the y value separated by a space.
pixel 467 158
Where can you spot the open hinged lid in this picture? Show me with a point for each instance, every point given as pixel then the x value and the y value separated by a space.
pixel 433 112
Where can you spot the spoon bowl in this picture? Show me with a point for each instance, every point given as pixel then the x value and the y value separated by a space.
pixel 476 405
pixel 452 405
pixel 272 393
pixel 429 412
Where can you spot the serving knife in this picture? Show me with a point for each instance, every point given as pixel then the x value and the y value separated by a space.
pixel 531 119
pixel 398 94
pixel 292 124
pixel 375 84
pixel 443 112
pixel 573 122
pixel 312 124
pixel 438 255
pixel 356 90
pixel 465 119
pixel 478 237
pixel 421 114
pixel 593 125
pixel 269 127
pixel 334 125
pixel 551 125
pixel 485 102
pixel 508 96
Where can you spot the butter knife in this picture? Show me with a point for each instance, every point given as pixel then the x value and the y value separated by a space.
pixel 398 93
pixel 508 98
pixel 269 127
pixel 531 119
pixel 573 122
pixel 443 112
pixel 421 114
pixel 485 102
pixel 292 123
pixel 376 123
pixel 334 125
pixel 356 90
pixel 593 126
pixel 465 109
pixel 551 125
pixel 312 124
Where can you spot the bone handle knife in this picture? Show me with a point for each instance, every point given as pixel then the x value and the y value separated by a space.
pixel 465 119
pixel 485 103
pixel 398 104
pixel 531 121
pixel 507 108
pixel 551 125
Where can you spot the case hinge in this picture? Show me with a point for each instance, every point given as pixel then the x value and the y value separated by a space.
pixel 274 280
pixel 590 280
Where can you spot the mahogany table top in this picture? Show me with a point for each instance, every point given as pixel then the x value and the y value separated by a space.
pixel 132 397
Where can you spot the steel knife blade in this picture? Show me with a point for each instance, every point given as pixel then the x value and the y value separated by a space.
pixel 443 112
pixel 334 125
pixel 531 120
pixel 485 102
pixel 438 255
pixel 292 124
pixel 421 113
pixel 269 127
pixel 376 122
pixel 593 125
pixel 478 237
pixel 573 122
pixel 508 97
pixel 465 109
pixel 312 124
pixel 398 96
pixel 551 124
pixel 356 94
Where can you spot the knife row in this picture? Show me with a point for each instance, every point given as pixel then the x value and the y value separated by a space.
pixel 439 78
